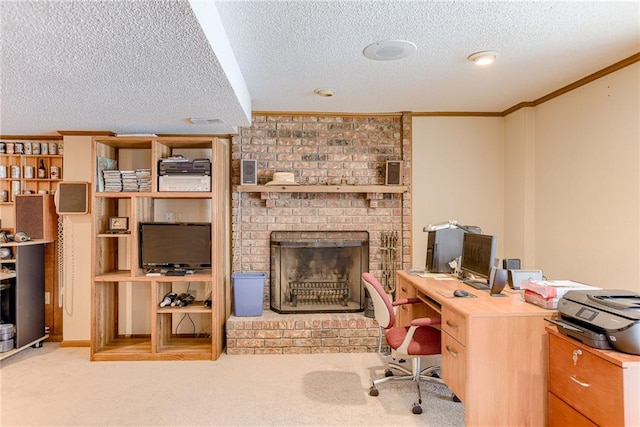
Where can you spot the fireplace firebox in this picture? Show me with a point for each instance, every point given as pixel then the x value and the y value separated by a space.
pixel 318 271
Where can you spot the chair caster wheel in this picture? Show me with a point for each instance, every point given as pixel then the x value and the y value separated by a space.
pixel 456 398
pixel 417 409
pixel 388 373
pixel 373 391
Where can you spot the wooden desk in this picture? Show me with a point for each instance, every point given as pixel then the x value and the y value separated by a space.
pixel 494 350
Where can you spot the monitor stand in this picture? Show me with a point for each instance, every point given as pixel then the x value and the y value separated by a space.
pixel 498 280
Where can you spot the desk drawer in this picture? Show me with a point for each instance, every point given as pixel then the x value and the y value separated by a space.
pixel 563 415
pixel 592 384
pixel 454 324
pixel 405 313
pixel 454 365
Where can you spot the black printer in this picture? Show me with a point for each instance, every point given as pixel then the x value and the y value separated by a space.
pixel 604 318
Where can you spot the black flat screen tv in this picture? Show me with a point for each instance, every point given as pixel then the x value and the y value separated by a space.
pixel 175 246
pixel 478 255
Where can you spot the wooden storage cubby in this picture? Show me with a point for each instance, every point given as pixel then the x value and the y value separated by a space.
pixel 128 323
pixel 35 184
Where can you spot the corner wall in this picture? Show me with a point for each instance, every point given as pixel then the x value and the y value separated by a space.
pixel 457 175
pixel 587 182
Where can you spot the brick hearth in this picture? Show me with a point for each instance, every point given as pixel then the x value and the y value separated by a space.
pixel 274 333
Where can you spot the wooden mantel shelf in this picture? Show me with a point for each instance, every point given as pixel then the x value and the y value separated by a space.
pixel 322 188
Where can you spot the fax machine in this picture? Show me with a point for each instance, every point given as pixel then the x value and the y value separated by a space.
pixel 602 318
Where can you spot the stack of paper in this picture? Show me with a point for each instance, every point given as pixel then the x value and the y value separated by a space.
pixel 547 293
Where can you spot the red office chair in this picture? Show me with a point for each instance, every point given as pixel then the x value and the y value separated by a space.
pixel 419 339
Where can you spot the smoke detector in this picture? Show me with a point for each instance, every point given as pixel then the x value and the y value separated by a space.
pixel 326 92
pixel 389 50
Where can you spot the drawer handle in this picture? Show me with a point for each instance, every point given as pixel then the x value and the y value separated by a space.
pixel 452 351
pixel 453 325
pixel 576 380
pixel 404 289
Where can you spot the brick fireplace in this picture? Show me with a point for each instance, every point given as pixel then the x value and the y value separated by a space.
pixel 343 151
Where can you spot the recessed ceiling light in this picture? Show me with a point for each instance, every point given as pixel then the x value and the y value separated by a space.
pixel 388 50
pixel 326 92
pixel 483 58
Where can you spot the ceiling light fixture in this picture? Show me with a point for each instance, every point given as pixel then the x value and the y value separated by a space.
pixel 388 50
pixel 325 92
pixel 483 58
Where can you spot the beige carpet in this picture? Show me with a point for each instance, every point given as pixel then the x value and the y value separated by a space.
pixel 56 386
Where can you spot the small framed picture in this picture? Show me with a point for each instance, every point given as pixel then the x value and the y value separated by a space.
pixel 118 224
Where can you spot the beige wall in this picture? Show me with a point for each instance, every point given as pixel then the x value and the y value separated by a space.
pixel 587 183
pixel 457 174
pixel 77 246
pixel 566 198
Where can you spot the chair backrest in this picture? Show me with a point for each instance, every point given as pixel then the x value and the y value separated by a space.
pixel 383 309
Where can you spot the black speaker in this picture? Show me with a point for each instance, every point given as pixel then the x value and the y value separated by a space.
pixel 248 172
pixel 497 281
pixel 72 198
pixel 36 215
pixel 394 172
pixel 511 264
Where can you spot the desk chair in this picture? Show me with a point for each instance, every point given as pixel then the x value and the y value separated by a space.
pixel 419 339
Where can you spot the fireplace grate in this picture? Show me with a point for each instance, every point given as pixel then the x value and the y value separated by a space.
pixel 319 291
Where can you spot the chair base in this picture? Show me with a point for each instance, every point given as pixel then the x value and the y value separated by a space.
pixel 429 374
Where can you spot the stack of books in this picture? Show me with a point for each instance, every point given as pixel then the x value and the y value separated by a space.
pixel 144 180
pixel 129 181
pixel 112 181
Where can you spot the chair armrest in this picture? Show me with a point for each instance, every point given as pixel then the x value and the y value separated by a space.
pixel 426 321
pixel 404 301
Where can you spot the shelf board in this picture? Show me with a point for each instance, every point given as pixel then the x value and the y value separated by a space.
pixel 156 195
pixel 196 307
pixel 124 346
pixel 114 235
pixel 128 276
pixel 5 276
pixel 322 188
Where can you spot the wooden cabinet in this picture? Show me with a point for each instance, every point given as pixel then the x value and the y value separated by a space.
pixel 588 386
pixel 127 321
pixel 22 293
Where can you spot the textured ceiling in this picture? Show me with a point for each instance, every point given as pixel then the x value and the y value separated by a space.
pixel 147 66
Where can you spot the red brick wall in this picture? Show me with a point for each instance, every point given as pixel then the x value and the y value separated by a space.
pixel 320 149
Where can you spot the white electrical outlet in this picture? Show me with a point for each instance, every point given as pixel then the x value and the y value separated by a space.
pixel 168 216
pixel 178 216
pixel 47 297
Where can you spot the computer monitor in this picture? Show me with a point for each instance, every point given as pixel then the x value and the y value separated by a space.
pixel 478 255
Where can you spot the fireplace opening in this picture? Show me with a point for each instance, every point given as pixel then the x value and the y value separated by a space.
pixel 318 271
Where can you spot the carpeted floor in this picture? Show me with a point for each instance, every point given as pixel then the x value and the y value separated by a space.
pixel 56 386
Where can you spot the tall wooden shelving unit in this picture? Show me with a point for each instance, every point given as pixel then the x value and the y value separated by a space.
pixel 127 322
